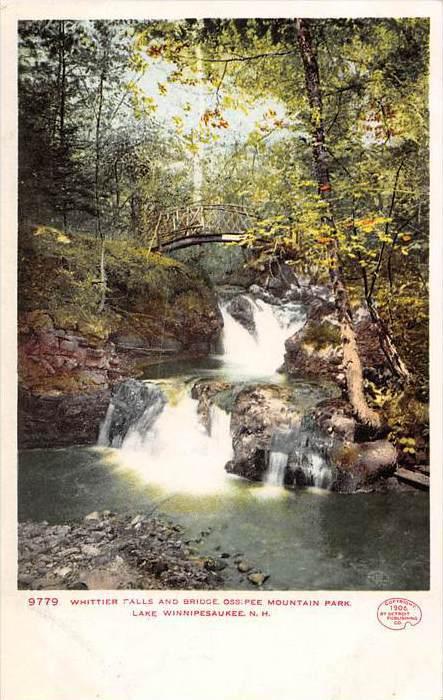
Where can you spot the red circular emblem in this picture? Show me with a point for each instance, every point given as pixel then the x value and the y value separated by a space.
pixel 398 613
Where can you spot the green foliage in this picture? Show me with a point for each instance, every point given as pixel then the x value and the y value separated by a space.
pixel 59 275
pixel 321 335
pixel 407 417
pixel 374 79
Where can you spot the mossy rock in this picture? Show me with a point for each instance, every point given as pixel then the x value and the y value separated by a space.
pixel 321 335
pixel 59 281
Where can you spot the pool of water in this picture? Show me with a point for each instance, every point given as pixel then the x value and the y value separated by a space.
pixel 305 540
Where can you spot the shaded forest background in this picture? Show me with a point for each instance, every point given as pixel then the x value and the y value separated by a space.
pixel 99 158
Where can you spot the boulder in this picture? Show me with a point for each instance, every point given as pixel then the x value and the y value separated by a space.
pixel 258 412
pixel 314 350
pixel 360 465
pixel 241 309
pixel 204 392
pixel 133 402
pixel 335 417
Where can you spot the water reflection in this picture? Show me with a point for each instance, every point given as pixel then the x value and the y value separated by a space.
pixel 305 540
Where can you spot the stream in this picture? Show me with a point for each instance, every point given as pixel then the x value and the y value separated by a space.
pixel 167 462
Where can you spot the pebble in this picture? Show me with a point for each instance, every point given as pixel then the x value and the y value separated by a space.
pixel 258 578
pixel 244 566
pixel 131 552
pixel 90 550
pixel 95 515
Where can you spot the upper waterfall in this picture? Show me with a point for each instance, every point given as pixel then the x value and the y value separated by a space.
pixel 260 354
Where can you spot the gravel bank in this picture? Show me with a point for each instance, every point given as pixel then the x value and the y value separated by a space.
pixel 109 551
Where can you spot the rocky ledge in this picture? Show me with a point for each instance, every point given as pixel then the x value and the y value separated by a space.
pixel 109 551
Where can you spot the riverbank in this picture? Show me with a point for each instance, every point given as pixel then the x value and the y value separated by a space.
pixel 109 551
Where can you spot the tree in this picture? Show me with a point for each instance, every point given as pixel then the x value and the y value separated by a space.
pixel 272 40
pixel 351 359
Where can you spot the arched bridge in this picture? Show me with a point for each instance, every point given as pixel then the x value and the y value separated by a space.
pixel 200 223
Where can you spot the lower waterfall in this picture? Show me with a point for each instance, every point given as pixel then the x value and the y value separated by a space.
pixel 178 453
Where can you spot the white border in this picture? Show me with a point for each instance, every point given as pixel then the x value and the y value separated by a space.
pixel 48 656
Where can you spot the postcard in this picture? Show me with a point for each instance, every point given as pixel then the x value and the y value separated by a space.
pixel 221 350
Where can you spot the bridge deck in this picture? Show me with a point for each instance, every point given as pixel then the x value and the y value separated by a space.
pixel 199 224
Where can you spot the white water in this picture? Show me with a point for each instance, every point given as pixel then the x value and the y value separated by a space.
pixel 103 436
pixel 317 471
pixel 276 470
pixel 177 453
pixel 263 354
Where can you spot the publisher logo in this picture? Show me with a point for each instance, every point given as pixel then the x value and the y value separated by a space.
pixel 398 613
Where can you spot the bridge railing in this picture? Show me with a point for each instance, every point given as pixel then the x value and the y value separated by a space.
pixel 200 219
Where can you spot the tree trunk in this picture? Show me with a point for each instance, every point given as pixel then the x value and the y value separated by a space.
pixel 351 358
pixel 391 353
pixel 63 148
pixel 100 232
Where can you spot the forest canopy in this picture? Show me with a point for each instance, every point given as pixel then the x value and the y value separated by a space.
pixel 319 128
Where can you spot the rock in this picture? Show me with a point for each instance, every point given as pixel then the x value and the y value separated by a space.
pixel 241 309
pixel 137 520
pixel 258 412
pixel 314 350
pixel 77 586
pixel 95 515
pixel 60 420
pixel 90 550
pixel 204 392
pixel 359 465
pixel 131 558
pixel 68 346
pixel 132 400
pixel 334 416
pixel 258 578
pixel 214 564
pixel 244 566
pixel 262 294
pixel 319 309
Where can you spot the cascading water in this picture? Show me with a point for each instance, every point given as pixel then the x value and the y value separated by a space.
pixel 167 444
pixel 277 467
pixel 178 453
pixel 282 442
pixel 309 459
pixel 303 451
pixel 260 354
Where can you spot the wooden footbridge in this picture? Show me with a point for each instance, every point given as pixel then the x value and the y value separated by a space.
pixel 200 223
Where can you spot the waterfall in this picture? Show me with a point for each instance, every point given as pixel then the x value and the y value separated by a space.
pixel 303 451
pixel 177 452
pixel 105 427
pixel 317 471
pixel 309 459
pixel 277 466
pixel 263 354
